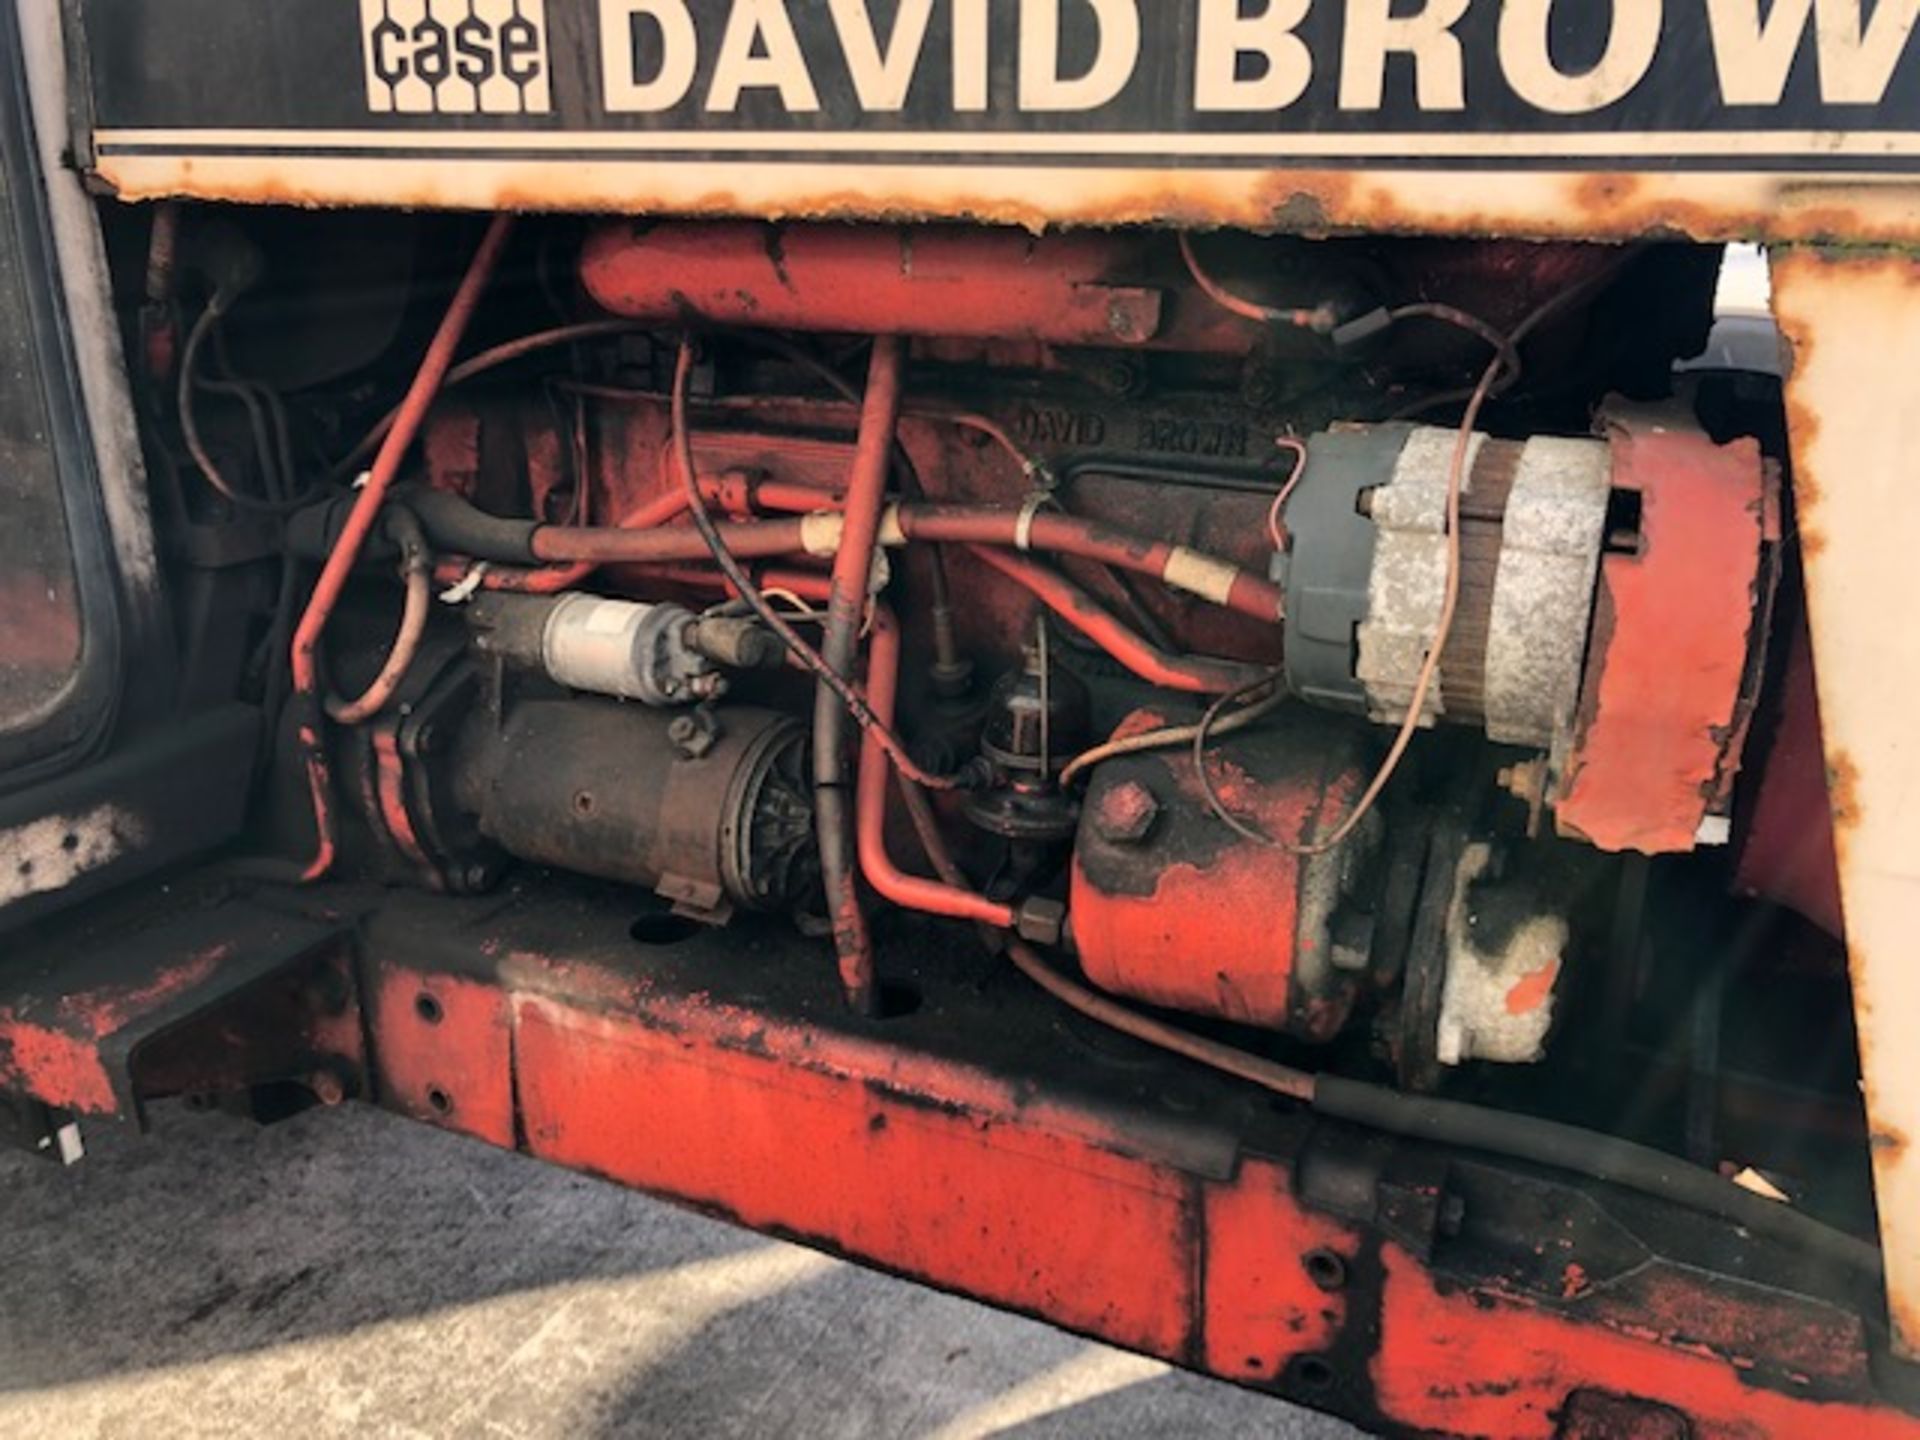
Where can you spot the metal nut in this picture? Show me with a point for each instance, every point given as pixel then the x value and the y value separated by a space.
pixel 1125 814
pixel 1041 921
pixel 694 735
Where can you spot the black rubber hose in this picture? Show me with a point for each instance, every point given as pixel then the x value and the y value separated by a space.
pixel 455 525
pixel 1588 1152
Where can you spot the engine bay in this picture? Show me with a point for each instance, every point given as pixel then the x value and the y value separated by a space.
pixel 1369 658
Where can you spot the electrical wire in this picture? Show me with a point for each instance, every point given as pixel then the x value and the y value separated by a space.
pixel 1276 529
pixel 742 583
pixel 185 384
pixel 1477 400
pixel 1320 319
pixel 1168 737
pixel 1228 1059
pixel 1505 362
pixel 491 358
pixel 1503 345
pixel 1422 685
pixel 416 567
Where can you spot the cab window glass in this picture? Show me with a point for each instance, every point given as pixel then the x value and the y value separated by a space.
pixel 40 628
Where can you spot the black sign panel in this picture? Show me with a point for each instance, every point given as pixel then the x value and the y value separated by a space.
pixel 1750 85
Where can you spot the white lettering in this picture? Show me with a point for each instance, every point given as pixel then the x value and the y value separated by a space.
pixel 1857 60
pixel 881 81
pixel 759 51
pixel 1042 87
pixel 627 92
pixel 1374 32
pixel 1225 35
pixel 1529 67
pixel 969 55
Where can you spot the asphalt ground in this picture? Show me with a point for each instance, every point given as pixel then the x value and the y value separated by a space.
pixel 348 1273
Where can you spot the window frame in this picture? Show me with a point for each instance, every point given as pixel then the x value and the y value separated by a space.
pixel 83 713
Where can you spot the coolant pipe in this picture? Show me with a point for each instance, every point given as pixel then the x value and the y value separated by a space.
pixel 910 892
pixel 305 664
pixel 847 597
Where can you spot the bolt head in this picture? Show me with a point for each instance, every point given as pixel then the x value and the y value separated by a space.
pixel 1125 814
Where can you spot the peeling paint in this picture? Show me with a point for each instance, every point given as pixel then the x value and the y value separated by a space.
pixel 1497 1004
pixel 53 852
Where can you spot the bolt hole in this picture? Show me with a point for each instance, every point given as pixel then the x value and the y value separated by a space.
pixel 1313 1372
pixel 898 999
pixel 428 1008
pixel 24 869
pixel 440 1100
pixel 1326 1269
pixel 583 803
pixel 70 842
pixel 1625 517
pixel 664 928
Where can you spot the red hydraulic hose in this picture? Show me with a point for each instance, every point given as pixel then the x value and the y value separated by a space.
pixel 741 493
pixel 910 892
pixel 521 580
pixel 360 520
pixel 1208 576
pixel 1223 583
pixel 1192 674
pixel 847 595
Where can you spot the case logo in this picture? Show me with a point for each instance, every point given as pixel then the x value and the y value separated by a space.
pixel 456 57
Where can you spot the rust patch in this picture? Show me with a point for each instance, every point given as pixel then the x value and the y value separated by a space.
pixel 1843 797
pixel 1574 204
pixel 1605 193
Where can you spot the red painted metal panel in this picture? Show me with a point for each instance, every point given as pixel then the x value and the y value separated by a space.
pixel 1786 847
pixel 1263 1305
pixel 1665 709
pixel 445 1052
pixel 1028 1213
pixel 1467 1362
pixel 990 284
